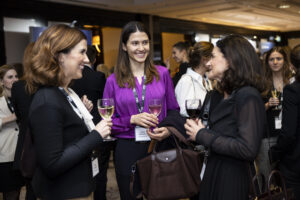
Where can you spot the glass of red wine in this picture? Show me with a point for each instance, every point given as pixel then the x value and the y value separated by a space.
pixel 193 107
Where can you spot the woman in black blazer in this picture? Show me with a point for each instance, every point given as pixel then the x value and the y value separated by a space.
pixel 64 135
pixel 287 149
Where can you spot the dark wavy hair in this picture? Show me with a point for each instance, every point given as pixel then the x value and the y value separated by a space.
pixel 122 69
pixel 199 52
pixel 44 69
pixel 286 71
pixel 295 60
pixel 244 66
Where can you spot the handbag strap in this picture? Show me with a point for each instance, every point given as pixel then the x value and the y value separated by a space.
pixel 284 191
pixel 180 137
pixel 132 177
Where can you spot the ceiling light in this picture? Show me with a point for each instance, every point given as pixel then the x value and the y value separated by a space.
pixel 284 6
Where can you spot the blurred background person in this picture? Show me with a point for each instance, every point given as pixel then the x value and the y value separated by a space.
pixel 104 69
pixel 180 55
pixel 133 84
pixel 277 74
pixel 64 134
pixel 11 180
pixel 21 100
pixel 194 84
pixel 287 148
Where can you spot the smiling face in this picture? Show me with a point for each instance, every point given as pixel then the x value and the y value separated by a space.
pixel 178 55
pixel 9 78
pixel 73 62
pixel 218 65
pixel 276 61
pixel 137 47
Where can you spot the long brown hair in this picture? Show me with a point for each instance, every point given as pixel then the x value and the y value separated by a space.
pixel 244 67
pixel 122 70
pixel 44 68
pixel 286 71
pixel 3 70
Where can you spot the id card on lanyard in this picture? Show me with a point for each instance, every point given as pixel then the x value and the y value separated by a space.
pixel 140 132
pixel 94 160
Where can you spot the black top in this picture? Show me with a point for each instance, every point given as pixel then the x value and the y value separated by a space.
pixel 287 149
pixel 21 101
pixel 271 114
pixel 182 70
pixel 63 146
pixel 92 85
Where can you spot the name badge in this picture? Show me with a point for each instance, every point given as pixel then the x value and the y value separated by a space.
pixel 95 166
pixel 141 134
pixel 277 123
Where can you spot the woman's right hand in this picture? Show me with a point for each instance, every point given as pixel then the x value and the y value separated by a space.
pixel 144 119
pixel 104 127
pixel 9 119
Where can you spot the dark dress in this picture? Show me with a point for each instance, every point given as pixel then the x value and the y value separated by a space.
pixel 182 70
pixel 287 149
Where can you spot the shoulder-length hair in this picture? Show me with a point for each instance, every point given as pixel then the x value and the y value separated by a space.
pixel 295 60
pixel 44 69
pixel 3 70
pixel 199 52
pixel 286 71
pixel 122 69
pixel 244 66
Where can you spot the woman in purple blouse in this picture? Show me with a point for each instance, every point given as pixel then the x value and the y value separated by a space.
pixel 134 82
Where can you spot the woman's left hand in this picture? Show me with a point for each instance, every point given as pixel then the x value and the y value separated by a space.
pixel 87 103
pixel 159 133
pixel 192 127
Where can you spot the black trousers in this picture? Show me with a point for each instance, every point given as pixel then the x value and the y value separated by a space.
pixel 103 160
pixel 127 152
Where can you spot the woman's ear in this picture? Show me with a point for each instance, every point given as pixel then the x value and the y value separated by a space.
pixel 61 58
pixel 124 47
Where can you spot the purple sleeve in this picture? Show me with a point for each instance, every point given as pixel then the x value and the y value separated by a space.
pixel 120 124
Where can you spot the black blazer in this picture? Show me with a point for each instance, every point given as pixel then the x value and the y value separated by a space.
pixel 287 149
pixel 63 146
pixel 92 85
pixel 21 101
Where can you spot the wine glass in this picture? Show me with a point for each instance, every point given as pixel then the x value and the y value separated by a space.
pixel 193 107
pixel 275 95
pixel 106 110
pixel 155 106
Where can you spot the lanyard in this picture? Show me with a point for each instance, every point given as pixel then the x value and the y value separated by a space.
pixel 9 105
pixel 140 106
pixel 70 101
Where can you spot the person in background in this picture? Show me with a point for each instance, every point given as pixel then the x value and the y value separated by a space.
pixel 194 84
pixel 21 101
pixel 92 85
pixel 64 134
pixel 133 84
pixel 277 74
pixel 11 180
pixel 180 55
pixel 104 69
pixel 287 148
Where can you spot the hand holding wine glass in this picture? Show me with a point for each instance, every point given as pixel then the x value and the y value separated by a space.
pixel 106 109
pixel 193 107
pixel 274 101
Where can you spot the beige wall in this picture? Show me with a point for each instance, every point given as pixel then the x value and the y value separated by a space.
pixel 168 40
pixel 111 38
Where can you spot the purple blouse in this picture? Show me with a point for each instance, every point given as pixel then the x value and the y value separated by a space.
pixel 125 104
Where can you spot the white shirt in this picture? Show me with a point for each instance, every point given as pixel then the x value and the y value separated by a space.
pixel 190 86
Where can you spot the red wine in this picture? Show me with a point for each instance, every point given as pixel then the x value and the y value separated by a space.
pixel 193 113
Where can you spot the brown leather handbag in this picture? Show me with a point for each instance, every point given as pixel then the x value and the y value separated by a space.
pixel 170 174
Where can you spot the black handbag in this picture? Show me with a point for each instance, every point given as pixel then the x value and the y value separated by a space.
pixel 171 174
pixel 275 192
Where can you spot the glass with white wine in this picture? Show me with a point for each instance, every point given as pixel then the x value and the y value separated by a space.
pixel 106 109
pixel 275 95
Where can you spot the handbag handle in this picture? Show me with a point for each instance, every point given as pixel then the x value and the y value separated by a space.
pixel 181 138
pixel 177 145
pixel 273 172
